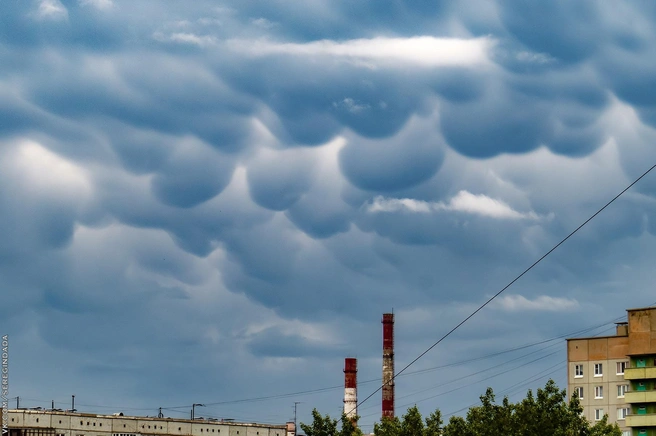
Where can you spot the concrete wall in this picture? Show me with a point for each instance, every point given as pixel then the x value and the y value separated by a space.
pixel 642 329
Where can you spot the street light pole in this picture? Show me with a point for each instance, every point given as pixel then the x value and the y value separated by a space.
pixel 193 409
pixel 296 403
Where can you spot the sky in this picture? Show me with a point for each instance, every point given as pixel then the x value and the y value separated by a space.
pixel 216 201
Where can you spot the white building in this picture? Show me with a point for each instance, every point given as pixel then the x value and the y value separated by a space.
pixel 57 423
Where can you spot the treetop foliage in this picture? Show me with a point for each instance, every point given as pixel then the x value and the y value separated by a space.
pixel 548 413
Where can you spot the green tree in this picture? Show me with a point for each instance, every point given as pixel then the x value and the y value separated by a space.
pixel 412 423
pixel 547 413
pixel 388 427
pixel 603 428
pixel 490 419
pixel 457 426
pixel 321 426
pixel 434 424
pixel 349 428
pixel 576 422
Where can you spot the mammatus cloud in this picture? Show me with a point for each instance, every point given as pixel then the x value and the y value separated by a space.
pixel 424 51
pixel 179 157
pixel 186 38
pixel 51 10
pixel 464 201
pixel 515 302
pixel 42 171
pixel 100 4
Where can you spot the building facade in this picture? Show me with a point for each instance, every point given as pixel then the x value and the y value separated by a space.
pixel 616 375
pixel 59 423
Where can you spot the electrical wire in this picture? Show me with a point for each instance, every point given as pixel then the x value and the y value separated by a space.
pixel 520 385
pixel 184 408
pixel 483 379
pixel 325 389
pixel 481 307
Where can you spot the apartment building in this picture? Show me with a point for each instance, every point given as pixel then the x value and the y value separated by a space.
pixel 615 375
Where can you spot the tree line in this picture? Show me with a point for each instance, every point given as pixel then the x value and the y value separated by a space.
pixel 547 413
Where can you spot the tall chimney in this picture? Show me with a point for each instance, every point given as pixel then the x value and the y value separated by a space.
pixel 388 365
pixel 351 388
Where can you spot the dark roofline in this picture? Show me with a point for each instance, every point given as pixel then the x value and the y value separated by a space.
pixel 642 308
pixel 597 337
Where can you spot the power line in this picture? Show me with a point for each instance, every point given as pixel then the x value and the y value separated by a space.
pixel 483 379
pixel 183 409
pixel 513 388
pixel 509 284
pixel 504 363
pixel 519 385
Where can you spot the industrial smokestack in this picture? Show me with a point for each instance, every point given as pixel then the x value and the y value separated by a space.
pixel 351 388
pixel 388 365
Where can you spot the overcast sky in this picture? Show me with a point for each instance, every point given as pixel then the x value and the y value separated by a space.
pixel 209 201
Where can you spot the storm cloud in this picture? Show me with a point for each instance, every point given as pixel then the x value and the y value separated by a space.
pixel 236 191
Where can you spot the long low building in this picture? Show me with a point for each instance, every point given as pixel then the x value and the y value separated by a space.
pixel 64 423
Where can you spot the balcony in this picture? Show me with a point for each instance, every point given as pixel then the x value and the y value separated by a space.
pixel 641 420
pixel 639 373
pixel 640 397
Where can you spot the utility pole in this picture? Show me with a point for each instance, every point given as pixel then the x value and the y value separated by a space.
pixel 160 414
pixel 18 402
pixel 296 403
pixel 193 409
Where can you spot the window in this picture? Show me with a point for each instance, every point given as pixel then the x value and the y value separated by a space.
pixel 598 370
pixel 578 371
pixel 621 366
pixel 622 413
pixel 621 390
pixel 579 392
pixel 599 414
pixel 599 392
pixel 626 433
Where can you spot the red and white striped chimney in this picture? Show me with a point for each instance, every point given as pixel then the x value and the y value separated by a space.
pixel 388 365
pixel 351 388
